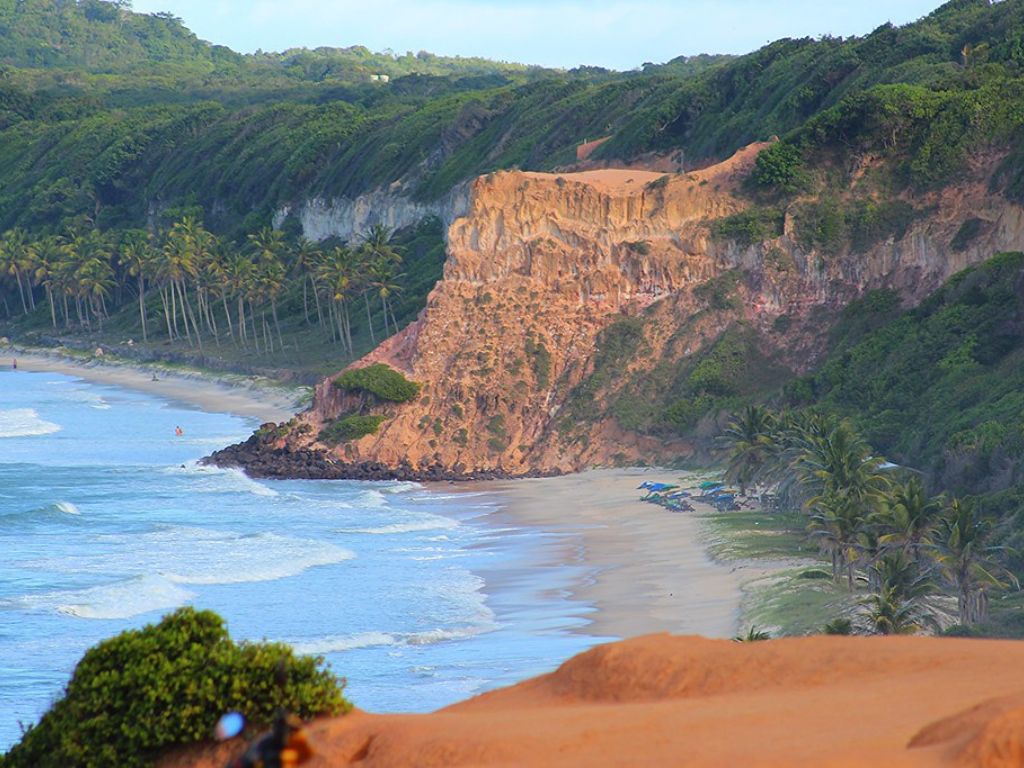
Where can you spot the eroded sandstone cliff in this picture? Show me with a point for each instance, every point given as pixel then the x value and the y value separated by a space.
pixel 540 265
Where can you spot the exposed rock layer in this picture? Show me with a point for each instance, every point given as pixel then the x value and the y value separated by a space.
pixel 540 264
pixel 347 218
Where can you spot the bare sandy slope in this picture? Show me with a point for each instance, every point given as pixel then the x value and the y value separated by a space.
pixel 240 395
pixel 664 700
pixel 652 573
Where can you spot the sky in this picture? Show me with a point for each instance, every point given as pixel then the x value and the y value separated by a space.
pixel 618 34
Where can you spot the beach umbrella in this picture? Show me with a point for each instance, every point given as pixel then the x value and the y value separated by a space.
pixel 708 484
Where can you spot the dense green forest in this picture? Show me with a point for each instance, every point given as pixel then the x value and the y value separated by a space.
pixel 118 117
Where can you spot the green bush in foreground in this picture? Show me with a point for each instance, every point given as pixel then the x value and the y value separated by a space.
pixel 147 689
pixel 350 427
pixel 379 380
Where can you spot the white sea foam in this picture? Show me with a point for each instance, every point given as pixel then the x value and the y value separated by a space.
pixel 216 441
pixel 67 508
pixel 435 523
pixel 218 480
pixel 183 555
pixel 401 486
pixel 25 422
pixel 370 500
pixel 198 556
pixel 87 397
pixel 342 643
pixel 120 600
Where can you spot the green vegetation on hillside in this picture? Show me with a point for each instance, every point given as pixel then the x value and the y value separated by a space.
pixel 680 389
pixel 155 119
pixel 167 684
pixel 379 380
pixel 350 427
pixel 939 387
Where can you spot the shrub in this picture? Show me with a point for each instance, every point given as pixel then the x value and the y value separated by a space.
pixel 749 227
pixel 379 380
pixel 968 232
pixel 540 357
pixel 720 291
pixel 842 626
pixel 780 167
pixel 351 427
pixel 166 684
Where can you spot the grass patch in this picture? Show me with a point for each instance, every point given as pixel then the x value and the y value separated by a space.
pixel 379 380
pixel 786 603
pixel 351 427
pixel 756 535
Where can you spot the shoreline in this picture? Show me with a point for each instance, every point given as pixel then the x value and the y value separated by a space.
pixel 245 396
pixel 647 569
pixel 650 570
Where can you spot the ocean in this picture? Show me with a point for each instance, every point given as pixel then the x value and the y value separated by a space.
pixel 419 597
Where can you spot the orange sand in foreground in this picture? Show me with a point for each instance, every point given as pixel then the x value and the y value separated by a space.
pixel 664 700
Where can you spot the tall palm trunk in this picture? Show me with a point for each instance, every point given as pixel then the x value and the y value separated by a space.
pixel 241 319
pixel 369 321
pixel 53 309
pixel 277 323
pixel 227 315
pixel 167 313
pixel 319 311
pixel 21 291
pixel 142 306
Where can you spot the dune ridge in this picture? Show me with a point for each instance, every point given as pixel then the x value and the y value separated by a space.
pixel 675 700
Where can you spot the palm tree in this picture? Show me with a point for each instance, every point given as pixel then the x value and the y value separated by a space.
pixel 908 518
pixel 380 258
pixel 305 258
pixel 384 281
pixel 239 274
pixel 90 274
pixel 836 522
pixel 899 605
pixel 754 635
pixel 336 273
pixel 841 461
pixel 14 251
pixel 48 255
pixel 885 613
pixel 749 439
pixel 966 557
pixel 95 279
pixel 137 256
pixel 176 265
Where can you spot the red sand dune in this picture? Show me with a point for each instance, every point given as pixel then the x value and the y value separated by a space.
pixel 663 701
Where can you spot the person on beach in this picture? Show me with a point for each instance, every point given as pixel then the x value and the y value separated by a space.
pixel 14 364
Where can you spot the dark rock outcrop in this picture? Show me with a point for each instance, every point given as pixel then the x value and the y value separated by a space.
pixel 274 459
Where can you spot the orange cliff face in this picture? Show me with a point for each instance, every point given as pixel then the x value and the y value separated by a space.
pixel 660 700
pixel 542 263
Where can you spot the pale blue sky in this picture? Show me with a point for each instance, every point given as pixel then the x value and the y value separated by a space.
pixel 559 33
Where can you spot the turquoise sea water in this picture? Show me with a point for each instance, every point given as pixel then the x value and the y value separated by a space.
pixel 419 597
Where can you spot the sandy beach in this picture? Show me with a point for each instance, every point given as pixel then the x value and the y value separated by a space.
pixel 652 571
pixel 246 396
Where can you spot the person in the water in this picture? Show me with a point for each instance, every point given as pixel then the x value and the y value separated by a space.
pixel 178 431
